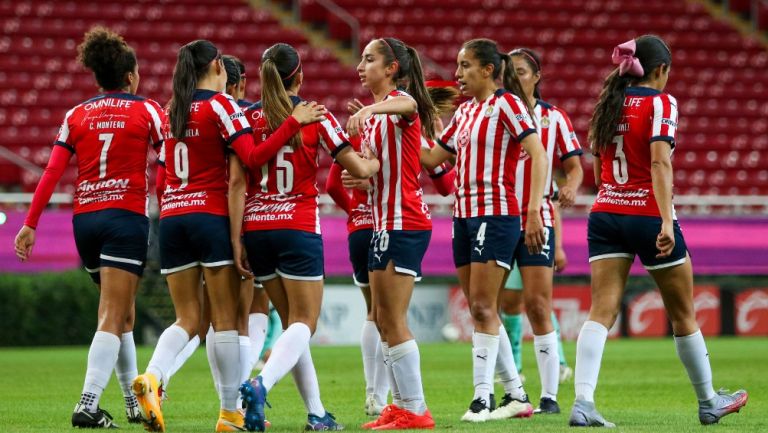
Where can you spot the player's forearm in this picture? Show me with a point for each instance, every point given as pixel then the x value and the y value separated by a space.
pixel 400 105
pixel 236 199
pixel 558 226
pixel 661 176
pixel 254 156
pixel 51 176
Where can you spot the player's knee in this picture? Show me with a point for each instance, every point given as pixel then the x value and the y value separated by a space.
pixel 482 311
pixel 538 310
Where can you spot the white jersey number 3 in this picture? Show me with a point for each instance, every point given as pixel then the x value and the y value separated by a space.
pixel 620 168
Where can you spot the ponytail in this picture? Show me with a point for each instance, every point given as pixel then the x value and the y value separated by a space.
pixel 636 59
pixel 191 65
pixel 417 89
pixel 184 85
pixel 443 96
pixel 409 73
pixel 608 112
pixel 280 65
pixel 512 83
pixel 275 101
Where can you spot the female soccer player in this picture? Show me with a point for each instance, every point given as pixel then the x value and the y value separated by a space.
pixel 486 134
pixel 633 134
pixel 110 134
pixel 282 231
pixel 392 129
pixel 537 270
pixel 194 225
pixel 360 228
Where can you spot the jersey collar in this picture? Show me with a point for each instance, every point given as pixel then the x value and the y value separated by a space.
pixel 203 94
pixel 641 91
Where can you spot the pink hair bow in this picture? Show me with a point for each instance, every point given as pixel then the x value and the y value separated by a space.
pixel 624 57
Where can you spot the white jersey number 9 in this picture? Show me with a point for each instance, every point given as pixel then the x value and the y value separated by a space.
pixel 181 163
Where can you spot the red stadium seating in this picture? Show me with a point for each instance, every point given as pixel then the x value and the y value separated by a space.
pixel 718 75
pixel 40 78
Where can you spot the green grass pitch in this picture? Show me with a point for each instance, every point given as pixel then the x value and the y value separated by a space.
pixel 642 388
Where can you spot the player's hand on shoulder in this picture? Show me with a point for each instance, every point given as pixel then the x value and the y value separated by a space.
pixel 307 112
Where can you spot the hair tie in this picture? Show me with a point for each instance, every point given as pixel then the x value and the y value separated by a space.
pixel 624 57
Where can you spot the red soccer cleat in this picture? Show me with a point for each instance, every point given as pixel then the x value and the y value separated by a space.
pixel 388 414
pixel 408 420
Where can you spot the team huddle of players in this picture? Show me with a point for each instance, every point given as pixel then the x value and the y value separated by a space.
pixel 238 197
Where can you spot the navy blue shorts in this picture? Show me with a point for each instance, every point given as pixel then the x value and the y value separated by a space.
pixel 115 238
pixel 195 239
pixel 405 248
pixel 291 254
pixel 545 258
pixel 624 236
pixel 359 243
pixel 480 239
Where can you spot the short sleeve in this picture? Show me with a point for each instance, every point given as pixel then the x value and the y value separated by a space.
pixel 515 117
pixel 229 117
pixel 63 138
pixel 566 141
pixel 447 138
pixel 664 120
pixel 332 136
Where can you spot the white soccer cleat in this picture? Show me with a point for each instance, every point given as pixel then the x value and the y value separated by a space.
pixel 512 408
pixel 371 407
pixel 478 411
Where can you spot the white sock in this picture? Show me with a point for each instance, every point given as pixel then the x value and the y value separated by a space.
pixel 170 343
pixel 385 353
pixel 183 356
pixel 210 353
pixel 245 358
pixel 692 351
pixel 485 350
pixel 305 377
pixel 125 368
pixel 369 341
pixel 506 368
pixel 257 332
pixel 227 350
pixel 406 366
pixel 548 359
pixel 286 352
pixel 380 377
pixel 589 354
pixel 102 357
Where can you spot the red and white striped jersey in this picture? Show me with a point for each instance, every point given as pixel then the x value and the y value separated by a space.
pixel 196 166
pixel 485 136
pixel 396 196
pixel 559 140
pixel 283 194
pixel 111 135
pixel 626 185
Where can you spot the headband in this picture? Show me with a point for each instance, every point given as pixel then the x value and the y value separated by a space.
pixel 624 57
pixel 298 66
pixel 391 51
pixel 526 54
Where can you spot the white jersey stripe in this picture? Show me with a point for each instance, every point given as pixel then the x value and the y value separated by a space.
pixel 224 117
